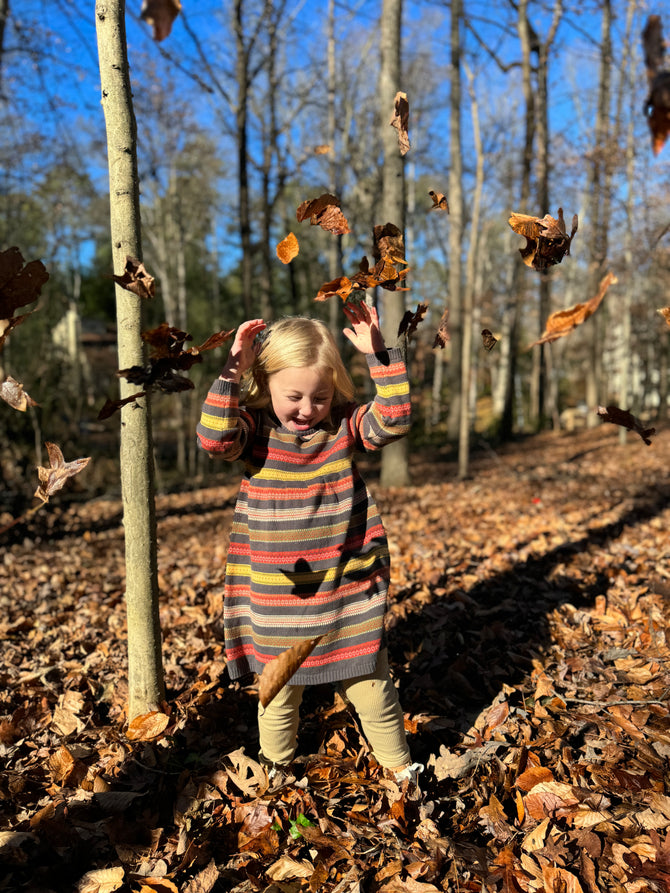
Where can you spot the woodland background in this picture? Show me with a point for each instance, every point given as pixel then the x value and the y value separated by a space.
pixel 541 107
pixel 529 605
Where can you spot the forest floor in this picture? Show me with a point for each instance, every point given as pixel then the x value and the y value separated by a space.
pixel 528 636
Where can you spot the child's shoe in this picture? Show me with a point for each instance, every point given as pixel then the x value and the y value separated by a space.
pixel 408 779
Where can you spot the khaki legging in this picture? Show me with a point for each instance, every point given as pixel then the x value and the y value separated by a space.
pixel 374 698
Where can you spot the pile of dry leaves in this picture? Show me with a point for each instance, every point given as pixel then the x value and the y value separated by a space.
pixel 527 632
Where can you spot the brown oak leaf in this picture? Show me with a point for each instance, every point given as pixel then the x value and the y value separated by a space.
pixel 136 279
pixel 54 477
pixel 160 15
pixel 488 339
pixel 277 672
pixel 400 120
pixel 440 202
pixel 325 212
pixel 410 321
pixel 625 419
pixel 564 321
pixel 341 287
pixel 20 284
pixel 442 335
pixel 12 392
pixel 657 103
pixel 665 313
pixel 288 248
pixel 547 241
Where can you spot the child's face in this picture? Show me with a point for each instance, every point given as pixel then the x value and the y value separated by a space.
pixel 301 396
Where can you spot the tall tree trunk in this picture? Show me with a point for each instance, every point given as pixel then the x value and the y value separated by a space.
pixel 597 223
pixel 516 308
pixel 455 224
pixel 145 670
pixel 241 113
pixel 4 15
pixel 468 296
pixel 395 457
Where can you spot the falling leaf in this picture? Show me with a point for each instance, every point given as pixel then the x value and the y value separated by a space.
pixel 160 15
pixel 111 406
pixel 564 321
pixel 547 241
pixel 389 242
pixel 440 202
pixel 20 284
pixel 340 287
pixel 400 120
pixel 442 335
pixel 53 478
pixel 167 358
pixel 136 279
pixel 488 339
pixel 410 321
pixel 665 313
pixel 288 248
pixel 12 392
pixel 657 104
pixel 321 150
pixel 626 420
pixel 147 726
pixel 277 672
pixel 325 212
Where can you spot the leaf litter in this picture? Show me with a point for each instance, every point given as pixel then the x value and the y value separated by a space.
pixel 527 634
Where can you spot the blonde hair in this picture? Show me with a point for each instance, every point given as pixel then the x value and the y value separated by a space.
pixel 295 341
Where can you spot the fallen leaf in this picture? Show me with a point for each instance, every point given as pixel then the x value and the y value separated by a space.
pixel 626 420
pixel 665 313
pixel 12 392
pixel 53 478
pixel 341 287
pixel 147 726
pixel 547 241
pixel 564 321
pixel 277 672
pixel 488 339
pixel 288 248
pixel 400 120
pixel 440 203
pixel 160 15
pixel 322 149
pixel 103 880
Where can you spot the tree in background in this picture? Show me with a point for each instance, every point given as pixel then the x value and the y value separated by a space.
pixel 395 465
pixel 145 670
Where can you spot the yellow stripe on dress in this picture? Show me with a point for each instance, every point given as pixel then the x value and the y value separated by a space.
pixel 217 423
pixel 300 472
pixel 333 573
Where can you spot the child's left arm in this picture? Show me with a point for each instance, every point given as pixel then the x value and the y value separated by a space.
pixel 387 417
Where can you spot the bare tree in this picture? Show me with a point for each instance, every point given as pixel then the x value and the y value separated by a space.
pixel 145 671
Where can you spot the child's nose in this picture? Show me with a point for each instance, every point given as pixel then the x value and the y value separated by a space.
pixel 306 407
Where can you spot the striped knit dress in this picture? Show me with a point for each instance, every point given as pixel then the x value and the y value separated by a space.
pixel 308 553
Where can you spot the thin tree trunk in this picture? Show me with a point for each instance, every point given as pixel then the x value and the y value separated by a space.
pixel 598 224
pixel 4 15
pixel 145 670
pixel 468 295
pixel 244 211
pixel 455 224
pixel 395 457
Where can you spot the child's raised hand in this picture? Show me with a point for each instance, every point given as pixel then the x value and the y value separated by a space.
pixel 243 351
pixel 364 333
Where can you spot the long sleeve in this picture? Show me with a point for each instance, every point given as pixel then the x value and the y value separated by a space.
pixel 224 429
pixel 387 417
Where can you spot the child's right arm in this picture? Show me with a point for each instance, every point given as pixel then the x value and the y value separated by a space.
pixel 223 430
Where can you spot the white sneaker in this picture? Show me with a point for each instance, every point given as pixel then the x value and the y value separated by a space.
pixel 410 773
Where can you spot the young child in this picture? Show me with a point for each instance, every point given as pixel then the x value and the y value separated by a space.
pixel 308 553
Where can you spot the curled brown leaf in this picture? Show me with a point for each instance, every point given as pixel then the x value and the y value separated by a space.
pixel 54 477
pixel 277 672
